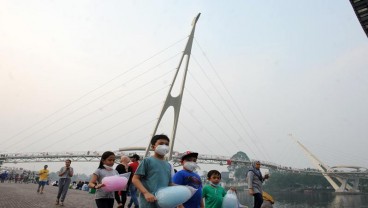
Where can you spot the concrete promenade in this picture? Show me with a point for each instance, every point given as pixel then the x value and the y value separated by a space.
pixel 24 195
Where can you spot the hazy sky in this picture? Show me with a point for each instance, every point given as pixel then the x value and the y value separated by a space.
pixel 87 75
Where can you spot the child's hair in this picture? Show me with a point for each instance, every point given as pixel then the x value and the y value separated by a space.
pixel 157 137
pixel 213 172
pixel 104 156
pixel 68 160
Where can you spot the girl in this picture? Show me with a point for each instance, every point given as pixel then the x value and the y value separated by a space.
pixel 103 199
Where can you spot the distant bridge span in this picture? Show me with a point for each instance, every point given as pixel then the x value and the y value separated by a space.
pixel 88 156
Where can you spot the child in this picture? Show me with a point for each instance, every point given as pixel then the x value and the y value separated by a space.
pixel 103 199
pixel 213 193
pixel 153 172
pixel 190 178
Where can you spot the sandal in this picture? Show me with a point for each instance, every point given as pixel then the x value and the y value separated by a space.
pixel 57 202
pixel 61 204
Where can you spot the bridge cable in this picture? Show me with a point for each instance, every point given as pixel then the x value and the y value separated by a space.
pixel 196 137
pixel 214 86
pixel 95 89
pixel 100 120
pixel 207 131
pixel 124 121
pixel 83 106
pixel 218 108
pixel 213 119
pixel 231 97
pixel 126 133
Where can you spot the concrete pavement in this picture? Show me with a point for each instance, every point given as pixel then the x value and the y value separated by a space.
pixel 25 195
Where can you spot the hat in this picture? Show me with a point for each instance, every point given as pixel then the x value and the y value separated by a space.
pixel 189 154
pixel 135 156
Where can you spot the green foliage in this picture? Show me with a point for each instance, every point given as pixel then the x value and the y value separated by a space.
pixel 241 172
pixel 287 180
pixel 240 156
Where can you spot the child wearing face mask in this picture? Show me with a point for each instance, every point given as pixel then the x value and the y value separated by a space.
pixel 103 199
pixel 213 193
pixel 188 177
pixel 153 172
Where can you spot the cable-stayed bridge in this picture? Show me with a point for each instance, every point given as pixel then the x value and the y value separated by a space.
pixel 171 102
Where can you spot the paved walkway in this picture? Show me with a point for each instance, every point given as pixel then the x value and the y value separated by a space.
pixel 25 195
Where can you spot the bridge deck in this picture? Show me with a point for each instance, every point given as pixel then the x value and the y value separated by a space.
pixel 24 195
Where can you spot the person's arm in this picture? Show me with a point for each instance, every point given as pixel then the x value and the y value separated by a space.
pixel 71 172
pixel 138 184
pixel 93 182
pixel 204 193
pixel 267 176
pixel 202 203
pixel 62 172
pixel 250 182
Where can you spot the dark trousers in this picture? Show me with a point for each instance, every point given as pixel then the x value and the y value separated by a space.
pixel 121 199
pixel 105 203
pixel 258 200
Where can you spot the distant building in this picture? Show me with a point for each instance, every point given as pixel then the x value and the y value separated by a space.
pixel 361 10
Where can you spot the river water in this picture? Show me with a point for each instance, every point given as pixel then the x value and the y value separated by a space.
pixel 311 200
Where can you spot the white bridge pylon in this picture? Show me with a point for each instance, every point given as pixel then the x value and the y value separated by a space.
pixel 338 176
pixel 175 102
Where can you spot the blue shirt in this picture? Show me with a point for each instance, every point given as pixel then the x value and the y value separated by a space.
pixel 188 178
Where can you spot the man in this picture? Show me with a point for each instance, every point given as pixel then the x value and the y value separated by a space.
pixel 255 180
pixel 65 175
pixel 43 174
pixel 132 189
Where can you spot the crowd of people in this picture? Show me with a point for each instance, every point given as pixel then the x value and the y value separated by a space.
pixel 151 174
pixel 17 175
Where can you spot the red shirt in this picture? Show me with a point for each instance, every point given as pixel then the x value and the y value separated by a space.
pixel 134 166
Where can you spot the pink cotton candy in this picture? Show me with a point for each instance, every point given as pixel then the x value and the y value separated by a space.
pixel 114 183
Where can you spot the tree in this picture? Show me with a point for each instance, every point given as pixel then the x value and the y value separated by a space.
pixel 240 170
pixel 240 156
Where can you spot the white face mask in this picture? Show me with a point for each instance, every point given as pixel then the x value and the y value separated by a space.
pixel 108 167
pixel 162 149
pixel 191 166
pixel 214 185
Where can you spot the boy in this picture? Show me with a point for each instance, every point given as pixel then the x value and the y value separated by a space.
pixel 188 177
pixel 213 193
pixel 153 172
